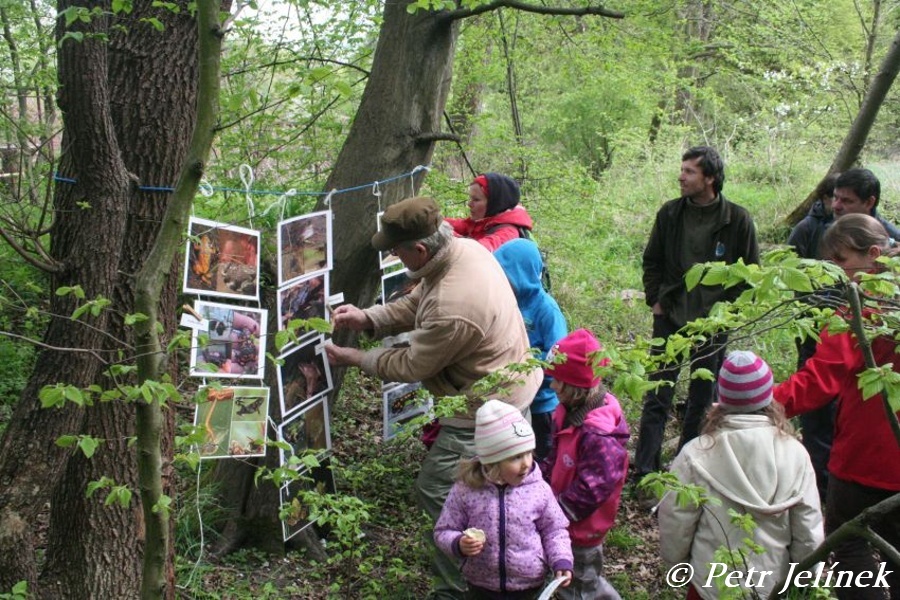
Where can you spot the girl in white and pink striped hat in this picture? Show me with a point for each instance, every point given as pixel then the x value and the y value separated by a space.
pixel 749 461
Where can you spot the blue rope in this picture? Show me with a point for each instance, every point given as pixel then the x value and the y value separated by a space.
pixel 150 188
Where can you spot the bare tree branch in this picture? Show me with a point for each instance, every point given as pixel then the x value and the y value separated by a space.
pixel 48 267
pixel 463 13
pixel 38 343
pixel 437 136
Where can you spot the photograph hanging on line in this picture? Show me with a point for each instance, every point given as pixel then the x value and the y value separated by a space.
pixel 304 376
pixel 386 258
pixel 233 421
pixel 221 260
pixel 234 344
pixel 294 514
pixel 305 300
pixel 395 285
pixel 304 246
pixel 402 402
pixel 306 431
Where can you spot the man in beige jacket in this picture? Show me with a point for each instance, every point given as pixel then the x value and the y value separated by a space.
pixel 464 323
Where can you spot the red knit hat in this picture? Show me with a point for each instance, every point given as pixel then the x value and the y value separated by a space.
pixel 578 369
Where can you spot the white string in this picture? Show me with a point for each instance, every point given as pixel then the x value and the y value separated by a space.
pixel 281 203
pixel 246 173
pixel 200 521
pixel 376 191
pixel 205 188
pixel 412 177
pixel 327 200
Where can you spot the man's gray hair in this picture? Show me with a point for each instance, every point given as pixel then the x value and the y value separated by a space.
pixel 437 240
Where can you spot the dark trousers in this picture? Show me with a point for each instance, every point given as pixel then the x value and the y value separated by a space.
pixel 817 426
pixel 542 424
pixel 658 403
pixel 845 501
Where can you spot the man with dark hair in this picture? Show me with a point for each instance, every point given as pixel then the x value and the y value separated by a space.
pixel 700 226
pixel 859 191
pixel 463 323
pixel 853 191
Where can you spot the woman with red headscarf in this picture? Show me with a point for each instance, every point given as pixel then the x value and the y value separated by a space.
pixel 495 215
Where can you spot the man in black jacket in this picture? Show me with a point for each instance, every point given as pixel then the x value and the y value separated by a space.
pixel 700 226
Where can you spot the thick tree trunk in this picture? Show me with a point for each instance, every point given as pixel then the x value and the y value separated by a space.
pixel 152 76
pixel 401 106
pixel 856 138
pixel 30 461
pixel 128 105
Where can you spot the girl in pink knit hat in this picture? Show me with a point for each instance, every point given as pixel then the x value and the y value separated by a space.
pixel 500 519
pixel 587 465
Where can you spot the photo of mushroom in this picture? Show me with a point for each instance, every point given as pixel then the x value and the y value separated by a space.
pixel 306 431
pixel 402 402
pixel 304 376
pixel 233 421
pixel 221 260
pixel 294 514
pixel 305 300
pixel 233 345
pixel 304 246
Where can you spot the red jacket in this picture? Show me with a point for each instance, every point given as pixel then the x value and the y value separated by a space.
pixel 493 232
pixel 864 448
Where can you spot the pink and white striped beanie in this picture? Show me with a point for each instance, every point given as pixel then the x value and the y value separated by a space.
pixel 745 383
pixel 501 432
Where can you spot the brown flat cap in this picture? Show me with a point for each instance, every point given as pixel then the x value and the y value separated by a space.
pixel 407 221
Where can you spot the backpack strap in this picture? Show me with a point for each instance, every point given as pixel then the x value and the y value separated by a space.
pixel 524 232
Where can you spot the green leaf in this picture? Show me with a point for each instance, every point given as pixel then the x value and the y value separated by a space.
pixel 121 6
pixel 52 396
pixel 796 280
pixel 135 318
pixel 156 23
pixel 343 88
pixel 66 441
pixel 693 276
pixel 80 311
pixel 75 290
pixel 88 445
pixel 101 483
pixel 163 505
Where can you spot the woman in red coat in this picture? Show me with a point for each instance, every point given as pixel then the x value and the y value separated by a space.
pixel 495 215
pixel 864 467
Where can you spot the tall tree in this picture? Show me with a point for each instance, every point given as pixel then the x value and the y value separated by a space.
pixel 856 137
pixel 128 92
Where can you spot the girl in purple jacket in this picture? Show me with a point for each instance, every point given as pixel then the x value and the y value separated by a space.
pixel 501 519
pixel 586 468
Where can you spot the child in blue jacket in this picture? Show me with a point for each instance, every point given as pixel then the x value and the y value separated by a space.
pixel 521 261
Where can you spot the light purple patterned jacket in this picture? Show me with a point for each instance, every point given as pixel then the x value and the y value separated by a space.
pixel 525 529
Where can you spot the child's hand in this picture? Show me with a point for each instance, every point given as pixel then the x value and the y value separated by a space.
pixel 469 546
pixel 567 575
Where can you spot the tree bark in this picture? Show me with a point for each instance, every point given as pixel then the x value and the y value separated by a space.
pixel 856 138
pixel 129 107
